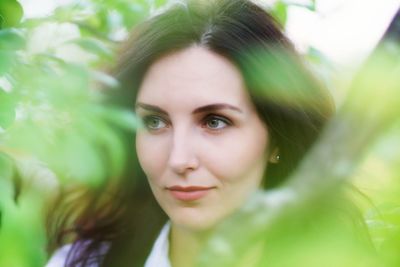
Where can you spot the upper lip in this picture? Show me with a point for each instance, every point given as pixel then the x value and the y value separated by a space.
pixel 188 188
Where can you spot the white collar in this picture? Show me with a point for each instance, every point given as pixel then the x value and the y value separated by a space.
pixel 159 253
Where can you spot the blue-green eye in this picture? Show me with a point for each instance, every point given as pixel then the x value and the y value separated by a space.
pixel 154 123
pixel 214 122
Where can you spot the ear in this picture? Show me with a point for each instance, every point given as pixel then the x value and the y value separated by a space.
pixel 274 156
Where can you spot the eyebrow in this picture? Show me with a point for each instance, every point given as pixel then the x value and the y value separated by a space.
pixel 207 108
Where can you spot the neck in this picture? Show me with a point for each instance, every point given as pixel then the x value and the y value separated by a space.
pixel 185 245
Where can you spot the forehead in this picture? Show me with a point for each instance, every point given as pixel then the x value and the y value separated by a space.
pixel 194 75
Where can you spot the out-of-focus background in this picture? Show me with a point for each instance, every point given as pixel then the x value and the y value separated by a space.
pixel 54 126
pixel 344 30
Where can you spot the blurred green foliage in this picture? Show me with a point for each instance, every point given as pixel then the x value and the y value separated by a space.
pixel 310 221
pixel 55 128
pixel 52 112
pixel 11 13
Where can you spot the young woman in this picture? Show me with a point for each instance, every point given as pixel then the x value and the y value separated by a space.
pixel 227 107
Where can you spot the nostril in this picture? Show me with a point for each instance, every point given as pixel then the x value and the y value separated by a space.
pixel 182 160
pixel 182 165
pixel 183 157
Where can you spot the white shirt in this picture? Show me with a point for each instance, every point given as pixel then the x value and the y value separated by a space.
pixel 158 256
pixel 159 253
pixel 59 257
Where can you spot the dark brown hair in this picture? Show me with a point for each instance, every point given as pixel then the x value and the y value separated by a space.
pixel 292 103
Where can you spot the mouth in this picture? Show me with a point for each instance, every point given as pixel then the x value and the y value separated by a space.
pixel 189 193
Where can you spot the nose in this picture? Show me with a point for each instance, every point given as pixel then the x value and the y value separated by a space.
pixel 183 158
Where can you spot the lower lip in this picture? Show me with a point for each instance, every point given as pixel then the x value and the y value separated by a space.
pixel 189 195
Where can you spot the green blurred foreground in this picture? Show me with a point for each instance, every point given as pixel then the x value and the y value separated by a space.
pixel 56 130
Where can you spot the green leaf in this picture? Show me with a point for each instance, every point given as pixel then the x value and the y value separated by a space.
pixel 1 21
pixel 280 12
pixel 313 5
pixel 94 46
pixel 11 12
pixel 11 39
pixel 7 109
pixel 133 13
pixel 7 59
pixel 106 138
pixel 159 3
pixel 78 83
pixel 78 159
pixel 105 79
pixel 6 173
pixel 123 118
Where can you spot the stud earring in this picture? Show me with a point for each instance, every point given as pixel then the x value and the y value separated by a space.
pixel 274 159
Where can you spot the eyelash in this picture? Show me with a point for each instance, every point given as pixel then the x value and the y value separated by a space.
pixel 223 119
pixel 146 120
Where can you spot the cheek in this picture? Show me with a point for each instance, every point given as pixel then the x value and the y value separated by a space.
pixel 237 154
pixel 150 152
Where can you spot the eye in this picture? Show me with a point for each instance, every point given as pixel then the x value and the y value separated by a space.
pixel 154 123
pixel 215 122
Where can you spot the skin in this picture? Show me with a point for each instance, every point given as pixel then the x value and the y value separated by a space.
pixel 224 148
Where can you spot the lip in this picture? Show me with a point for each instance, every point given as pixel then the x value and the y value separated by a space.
pixel 189 193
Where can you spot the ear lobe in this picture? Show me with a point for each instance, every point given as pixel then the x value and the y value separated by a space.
pixel 274 157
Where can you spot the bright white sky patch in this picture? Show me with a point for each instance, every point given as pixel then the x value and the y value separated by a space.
pixel 344 30
pixel 41 8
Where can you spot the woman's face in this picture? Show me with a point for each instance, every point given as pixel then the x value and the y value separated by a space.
pixel 203 146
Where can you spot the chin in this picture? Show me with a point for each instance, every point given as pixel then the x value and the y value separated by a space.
pixel 193 221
